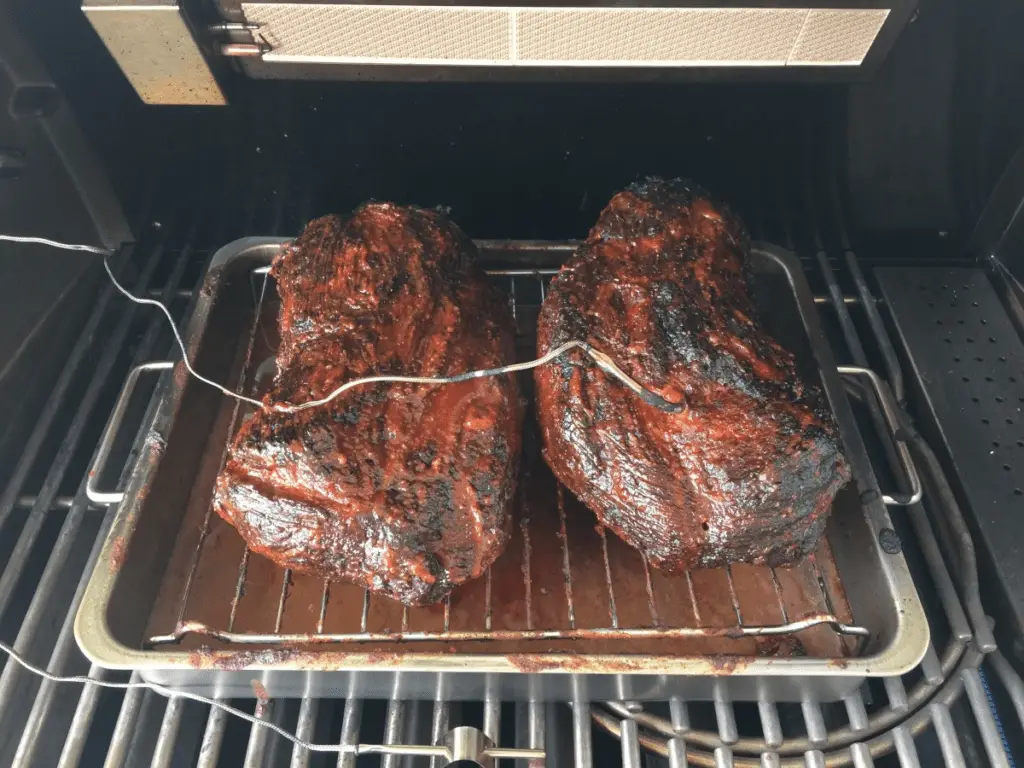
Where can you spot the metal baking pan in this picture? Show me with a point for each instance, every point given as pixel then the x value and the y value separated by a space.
pixel 566 610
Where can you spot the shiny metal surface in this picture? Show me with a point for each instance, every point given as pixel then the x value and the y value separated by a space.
pixel 983 716
pixel 582 744
pixel 393 726
pixel 213 738
pixel 110 433
pixel 350 731
pixel 187 628
pixel 1011 681
pixel 630 739
pixel 439 722
pixel 243 50
pixel 946 732
pixel 304 729
pixel 892 419
pixel 468 743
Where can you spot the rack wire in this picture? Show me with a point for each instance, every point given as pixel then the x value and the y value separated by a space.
pixel 547 617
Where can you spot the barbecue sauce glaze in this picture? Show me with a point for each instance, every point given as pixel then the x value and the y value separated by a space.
pixel 748 470
pixel 405 489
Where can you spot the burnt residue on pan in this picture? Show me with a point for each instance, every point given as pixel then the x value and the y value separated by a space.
pixel 118 551
pixel 723 665
pixel 205 657
pixel 262 697
pixel 780 647
pixel 212 282
pixel 569 662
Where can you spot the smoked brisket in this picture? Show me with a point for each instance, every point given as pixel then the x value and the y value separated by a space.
pixel 747 471
pixel 405 489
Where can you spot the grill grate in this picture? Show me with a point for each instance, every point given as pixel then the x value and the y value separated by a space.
pixel 45 724
pixel 515 601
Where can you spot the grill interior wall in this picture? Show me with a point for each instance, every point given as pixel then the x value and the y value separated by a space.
pixel 521 161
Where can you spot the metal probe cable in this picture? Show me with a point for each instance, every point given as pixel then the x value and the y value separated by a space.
pixel 603 361
pixel 358 749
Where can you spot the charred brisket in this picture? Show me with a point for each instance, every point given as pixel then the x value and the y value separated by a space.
pixel 404 489
pixel 748 470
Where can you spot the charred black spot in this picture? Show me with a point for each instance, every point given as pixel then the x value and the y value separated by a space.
pixel 420 461
pixel 439 507
pixel 348 415
pixel 400 280
pixel 499 448
pixel 482 483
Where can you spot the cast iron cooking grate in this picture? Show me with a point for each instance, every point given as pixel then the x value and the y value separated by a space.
pixel 562 577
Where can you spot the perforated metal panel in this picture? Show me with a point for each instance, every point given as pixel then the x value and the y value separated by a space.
pixel 515 36
pixel 716 36
pixel 836 37
pixel 970 360
pixel 385 32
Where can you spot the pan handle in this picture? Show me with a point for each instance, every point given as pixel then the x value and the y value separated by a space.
pixel 110 433
pixel 892 418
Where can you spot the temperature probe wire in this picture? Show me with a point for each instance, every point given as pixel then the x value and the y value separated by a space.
pixel 603 361
pixel 358 749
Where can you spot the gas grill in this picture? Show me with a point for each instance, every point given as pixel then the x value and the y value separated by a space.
pixel 898 644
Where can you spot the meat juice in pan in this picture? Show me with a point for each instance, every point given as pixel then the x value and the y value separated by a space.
pixel 403 489
pixel 748 469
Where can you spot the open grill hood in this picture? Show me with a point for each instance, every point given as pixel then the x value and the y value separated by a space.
pixel 557 41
